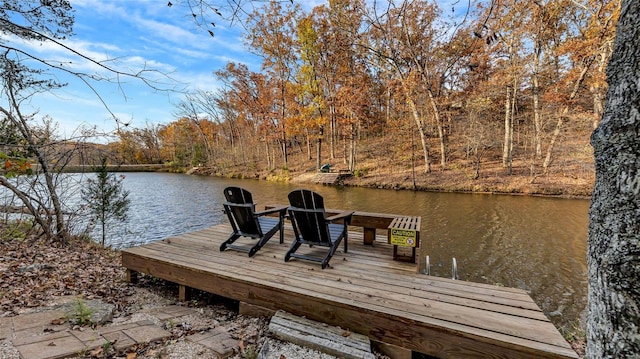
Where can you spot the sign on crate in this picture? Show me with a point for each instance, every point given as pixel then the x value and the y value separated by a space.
pixel 403 237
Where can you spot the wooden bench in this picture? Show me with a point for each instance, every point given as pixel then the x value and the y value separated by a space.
pixel 369 221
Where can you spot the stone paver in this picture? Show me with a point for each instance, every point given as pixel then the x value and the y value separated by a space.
pixel 91 338
pixel 24 340
pixel 121 327
pixel 6 328
pixel 146 333
pixel 124 335
pixel 170 312
pixel 35 337
pixel 218 340
pixel 50 347
pixel 38 336
pixel 39 320
pixel 119 340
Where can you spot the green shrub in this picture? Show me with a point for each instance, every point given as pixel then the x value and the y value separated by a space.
pixel 81 313
pixel 361 172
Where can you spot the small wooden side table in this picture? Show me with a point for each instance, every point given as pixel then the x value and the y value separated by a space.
pixel 405 232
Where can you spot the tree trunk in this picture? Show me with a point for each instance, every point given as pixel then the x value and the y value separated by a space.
pixel 345 156
pixel 26 201
pixel 598 109
pixel 332 131
pixel 438 119
pixel 268 153
pixel 419 125
pixel 308 138
pixel 283 126
pixel 352 148
pixel 319 149
pixel 614 226
pixel 537 116
pixel 27 134
pixel 508 135
pixel 598 90
pixel 563 114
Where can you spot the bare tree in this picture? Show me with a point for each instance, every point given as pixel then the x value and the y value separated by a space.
pixel 15 79
pixel 24 75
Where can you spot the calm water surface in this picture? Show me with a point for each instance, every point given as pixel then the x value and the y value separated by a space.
pixel 532 243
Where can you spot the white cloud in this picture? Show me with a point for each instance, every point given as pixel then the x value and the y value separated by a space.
pixel 100 7
pixel 169 32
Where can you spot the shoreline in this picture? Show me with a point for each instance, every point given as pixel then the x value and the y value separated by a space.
pixel 518 186
pixel 453 180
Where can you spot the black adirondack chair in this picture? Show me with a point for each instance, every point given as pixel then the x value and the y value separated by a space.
pixel 312 226
pixel 246 222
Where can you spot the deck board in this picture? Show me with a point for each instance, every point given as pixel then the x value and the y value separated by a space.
pixel 363 290
pixel 371 298
pixel 404 285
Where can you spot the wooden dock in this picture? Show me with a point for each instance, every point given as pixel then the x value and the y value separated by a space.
pixel 364 291
pixel 330 178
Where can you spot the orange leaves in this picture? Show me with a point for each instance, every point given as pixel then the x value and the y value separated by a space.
pixel 14 166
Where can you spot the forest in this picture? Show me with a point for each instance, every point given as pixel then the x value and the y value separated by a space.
pixel 508 89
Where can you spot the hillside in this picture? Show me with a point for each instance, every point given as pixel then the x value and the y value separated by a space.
pixel 379 168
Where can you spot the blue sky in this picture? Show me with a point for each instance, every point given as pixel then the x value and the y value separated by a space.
pixel 134 35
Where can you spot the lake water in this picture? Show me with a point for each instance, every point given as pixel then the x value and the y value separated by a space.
pixel 533 243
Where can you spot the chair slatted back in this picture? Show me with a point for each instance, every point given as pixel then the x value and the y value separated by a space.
pixel 308 216
pixel 240 210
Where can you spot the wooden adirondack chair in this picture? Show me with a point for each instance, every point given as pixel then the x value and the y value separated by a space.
pixel 246 222
pixel 312 226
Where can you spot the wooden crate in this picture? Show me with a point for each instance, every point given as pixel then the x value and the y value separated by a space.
pixel 405 232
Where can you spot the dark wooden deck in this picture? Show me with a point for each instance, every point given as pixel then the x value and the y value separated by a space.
pixel 365 291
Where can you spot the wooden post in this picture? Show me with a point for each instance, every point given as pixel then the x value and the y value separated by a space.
pixel 369 236
pixel 132 276
pixel 183 293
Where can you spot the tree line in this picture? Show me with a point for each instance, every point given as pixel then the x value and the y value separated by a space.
pixel 505 81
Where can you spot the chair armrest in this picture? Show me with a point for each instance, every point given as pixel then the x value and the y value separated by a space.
pixel 281 209
pixel 346 216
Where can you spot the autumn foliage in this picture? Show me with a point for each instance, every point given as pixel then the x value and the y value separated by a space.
pixel 357 83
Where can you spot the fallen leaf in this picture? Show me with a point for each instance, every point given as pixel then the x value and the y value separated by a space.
pixel 131 355
pixel 52 344
pixel 346 334
pixel 96 352
pixel 58 321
